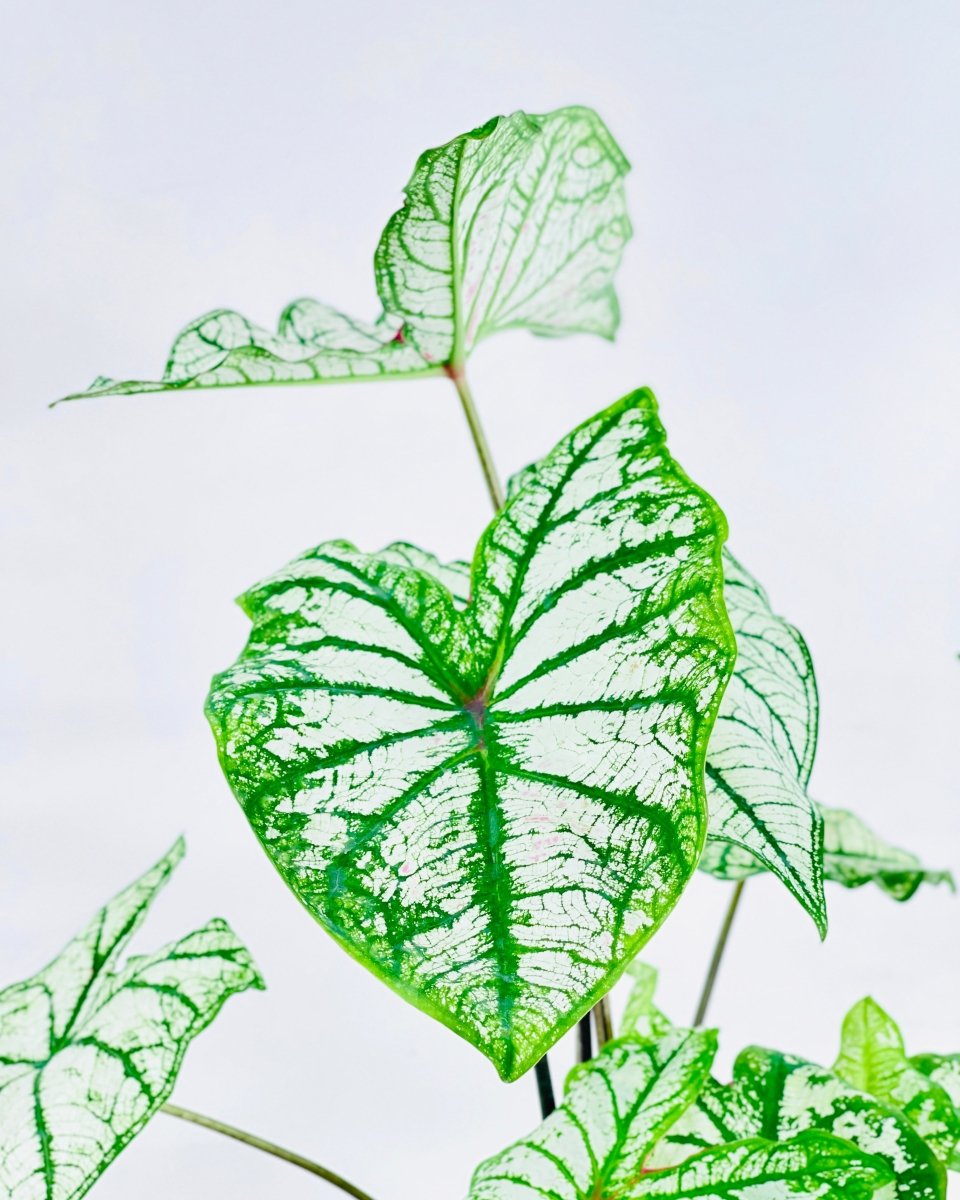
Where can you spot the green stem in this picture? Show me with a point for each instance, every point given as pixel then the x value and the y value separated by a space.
pixel 250 1139
pixel 719 948
pixel 482 446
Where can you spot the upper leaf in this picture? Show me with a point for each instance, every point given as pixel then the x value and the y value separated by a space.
pixel 615 1108
pixel 762 747
pixel 815 1165
pixel 519 224
pixel 90 1050
pixel 872 1058
pixel 493 805
pixel 852 855
pixel 777 1096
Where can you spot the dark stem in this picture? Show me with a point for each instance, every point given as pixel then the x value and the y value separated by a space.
pixel 603 1021
pixel 584 1040
pixel 250 1139
pixel 718 950
pixel 480 442
pixel 545 1088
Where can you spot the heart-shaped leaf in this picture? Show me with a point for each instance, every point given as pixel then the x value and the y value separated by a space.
pixel 615 1108
pixel 762 748
pixel 90 1050
pixel 493 806
pixel 873 1059
pixel 519 224
pixel 815 1165
pixel 777 1096
pixel 852 856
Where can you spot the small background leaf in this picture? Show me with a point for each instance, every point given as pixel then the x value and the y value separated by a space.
pixel 873 1059
pixel 853 855
pixel 89 1050
pixel 762 748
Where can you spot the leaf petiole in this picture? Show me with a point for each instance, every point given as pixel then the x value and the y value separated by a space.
pixel 718 952
pixel 258 1143
pixel 481 445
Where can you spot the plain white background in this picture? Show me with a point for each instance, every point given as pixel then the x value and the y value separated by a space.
pixel 792 294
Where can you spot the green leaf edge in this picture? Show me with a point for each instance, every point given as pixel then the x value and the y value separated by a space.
pixel 723 630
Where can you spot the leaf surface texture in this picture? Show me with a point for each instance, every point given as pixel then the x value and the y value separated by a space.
pixel 494 804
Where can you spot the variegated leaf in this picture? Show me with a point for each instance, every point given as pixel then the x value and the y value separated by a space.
pixel 944 1071
pixel 762 748
pixel 814 1165
pixel 614 1109
pixel 90 1049
pixel 519 224
pixel 493 806
pixel 873 1059
pixel 778 1096
pixel 852 856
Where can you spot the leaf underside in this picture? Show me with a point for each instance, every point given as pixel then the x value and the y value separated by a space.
pixel 762 748
pixel 520 224
pixel 873 1059
pixel 90 1049
pixel 777 1096
pixel 494 804
pixel 852 856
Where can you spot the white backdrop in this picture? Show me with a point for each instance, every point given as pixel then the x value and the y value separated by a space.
pixel 792 294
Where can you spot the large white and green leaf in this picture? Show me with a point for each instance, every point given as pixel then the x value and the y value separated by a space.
pixel 777 1096
pixel 519 224
pixel 493 805
pixel 815 1165
pixel 853 855
pixel 615 1108
pixel 762 749
pixel 90 1048
pixel 872 1059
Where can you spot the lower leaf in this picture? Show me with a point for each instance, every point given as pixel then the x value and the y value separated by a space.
pixel 615 1108
pixel 814 1165
pixel 89 1052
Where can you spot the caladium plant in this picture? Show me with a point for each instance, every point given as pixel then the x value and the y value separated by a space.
pixel 490 781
